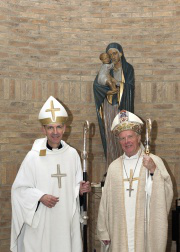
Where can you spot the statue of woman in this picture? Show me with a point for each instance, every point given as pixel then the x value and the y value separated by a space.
pixel 110 100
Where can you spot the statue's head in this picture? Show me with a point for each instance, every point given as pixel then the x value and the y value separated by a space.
pixel 115 46
pixel 115 52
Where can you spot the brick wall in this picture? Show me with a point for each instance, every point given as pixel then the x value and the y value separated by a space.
pixel 51 47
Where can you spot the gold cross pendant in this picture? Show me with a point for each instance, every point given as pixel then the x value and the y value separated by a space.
pixel 58 175
pixel 131 179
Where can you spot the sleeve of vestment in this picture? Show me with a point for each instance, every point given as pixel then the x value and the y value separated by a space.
pixel 102 222
pixel 164 178
pixel 160 204
pixel 24 198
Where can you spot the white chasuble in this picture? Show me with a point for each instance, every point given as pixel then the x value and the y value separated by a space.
pixel 46 229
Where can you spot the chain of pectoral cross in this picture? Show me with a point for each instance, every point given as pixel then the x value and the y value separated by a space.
pixel 131 177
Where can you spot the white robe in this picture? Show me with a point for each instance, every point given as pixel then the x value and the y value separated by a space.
pixel 47 229
pixel 104 72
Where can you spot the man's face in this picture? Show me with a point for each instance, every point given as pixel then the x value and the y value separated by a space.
pixel 54 133
pixel 130 142
pixel 114 55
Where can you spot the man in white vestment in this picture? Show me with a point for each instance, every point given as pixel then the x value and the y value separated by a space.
pixel 45 193
pixel 137 196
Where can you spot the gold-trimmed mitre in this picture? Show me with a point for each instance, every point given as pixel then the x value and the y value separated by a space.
pixel 52 112
pixel 126 120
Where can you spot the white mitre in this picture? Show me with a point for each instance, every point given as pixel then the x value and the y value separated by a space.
pixel 52 112
pixel 126 120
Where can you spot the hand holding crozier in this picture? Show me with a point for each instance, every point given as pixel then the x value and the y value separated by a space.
pixel 149 163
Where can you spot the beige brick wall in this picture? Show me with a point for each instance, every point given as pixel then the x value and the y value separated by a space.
pixel 51 47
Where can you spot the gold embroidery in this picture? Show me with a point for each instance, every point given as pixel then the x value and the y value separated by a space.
pixel 42 153
pixel 52 110
pixel 59 175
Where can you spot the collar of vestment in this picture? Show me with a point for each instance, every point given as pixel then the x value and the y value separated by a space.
pixel 40 146
pixel 50 148
pixel 136 156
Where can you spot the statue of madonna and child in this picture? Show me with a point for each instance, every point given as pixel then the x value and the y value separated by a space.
pixel 113 91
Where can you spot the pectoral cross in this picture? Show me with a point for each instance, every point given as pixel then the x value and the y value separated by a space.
pixel 52 110
pixel 58 175
pixel 130 179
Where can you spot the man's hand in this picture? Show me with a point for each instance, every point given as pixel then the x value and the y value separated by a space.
pixel 106 242
pixel 149 163
pixel 49 200
pixel 85 187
